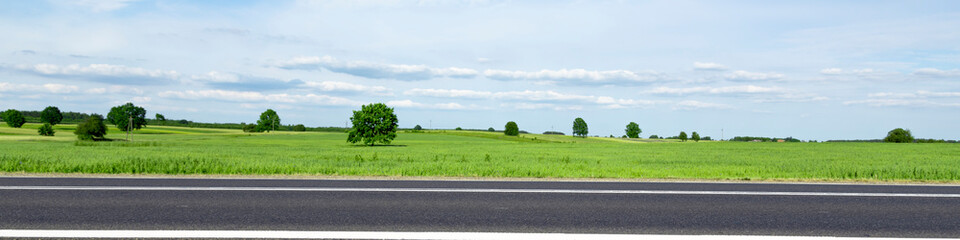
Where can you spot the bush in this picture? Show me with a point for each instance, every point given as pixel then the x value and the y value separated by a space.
pixel 91 129
pixel 46 130
pixel 491 129
pixel 511 129
pixel 248 127
pixel 299 128
pixel 654 136
pixel 13 118
pixel 899 135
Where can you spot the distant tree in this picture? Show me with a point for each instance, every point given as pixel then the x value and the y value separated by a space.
pixel 552 133
pixel 491 129
pixel 511 129
pixel 13 118
pixel 299 128
pixel 269 121
pixel 580 128
pixel 374 123
pixel 46 130
pixel 51 115
pixel 633 130
pixel 458 128
pixel 120 116
pixel 161 118
pixel 899 135
pixel 695 136
pixel 92 128
pixel 654 136
pixel 707 138
pixel 417 127
pixel 682 136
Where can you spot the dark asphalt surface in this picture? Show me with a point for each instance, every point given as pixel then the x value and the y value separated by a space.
pixel 482 212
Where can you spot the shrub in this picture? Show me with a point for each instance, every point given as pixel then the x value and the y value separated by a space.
pixel 511 129
pixel 13 118
pixel 249 127
pixel 654 136
pixel 899 135
pixel 46 130
pixel 91 129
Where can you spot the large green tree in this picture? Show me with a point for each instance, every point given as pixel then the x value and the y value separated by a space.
pixel 92 128
pixel 633 130
pixel 160 117
pixel 374 123
pixel 51 115
pixel 121 117
pixel 580 127
pixel 511 129
pixel 269 121
pixel 695 136
pixel 682 136
pixel 899 135
pixel 13 118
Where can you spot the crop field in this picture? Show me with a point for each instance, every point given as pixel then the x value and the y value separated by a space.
pixel 175 150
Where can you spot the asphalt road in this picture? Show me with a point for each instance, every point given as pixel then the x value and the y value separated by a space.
pixel 669 208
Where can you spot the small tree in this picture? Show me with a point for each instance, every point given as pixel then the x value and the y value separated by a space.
pixel 654 136
pixel 580 127
pixel 459 128
pixel 682 136
pixel 633 130
pixel 511 129
pixel 269 121
pixel 92 128
pixel 695 136
pixel 299 128
pixel 13 118
pixel 374 123
pixel 161 118
pixel 899 135
pixel 121 117
pixel 51 115
pixel 46 130
pixel 491 129
pixel 417 127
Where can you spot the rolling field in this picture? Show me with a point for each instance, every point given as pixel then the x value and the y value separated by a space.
pixel 174 150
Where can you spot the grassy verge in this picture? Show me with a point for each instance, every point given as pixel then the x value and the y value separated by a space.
pixel 470 154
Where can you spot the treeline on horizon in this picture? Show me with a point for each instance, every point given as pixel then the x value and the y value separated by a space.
pixel 77 117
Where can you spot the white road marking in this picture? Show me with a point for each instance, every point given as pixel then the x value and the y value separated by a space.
pixel 13 233
pixel 479 190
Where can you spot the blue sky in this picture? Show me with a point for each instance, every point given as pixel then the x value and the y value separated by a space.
pixel 807 69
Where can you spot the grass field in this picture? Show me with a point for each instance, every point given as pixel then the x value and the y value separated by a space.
pixel 174 150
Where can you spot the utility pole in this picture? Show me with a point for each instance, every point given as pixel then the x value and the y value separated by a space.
pixel 721 134
pixel 129 127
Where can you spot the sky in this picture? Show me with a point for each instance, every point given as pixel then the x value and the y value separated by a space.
pixel 812 70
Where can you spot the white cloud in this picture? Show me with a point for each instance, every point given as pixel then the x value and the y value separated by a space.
pixel 448 93
pixel 577 76
pixel 694 105
pixel 831 71
pixel 532 96
pixel 217 77
pixel 376 70
pixel 98 5
pixel 917 94
pixel 38 88
pixel 239 96
pixel 716 90
pixel 933 72
pixel 115 74
pixel 900 103
pixel 411 104
pixel 332 86
pixel 708 66
pixel 753 76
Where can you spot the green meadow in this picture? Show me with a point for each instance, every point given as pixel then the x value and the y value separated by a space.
pixel 176 151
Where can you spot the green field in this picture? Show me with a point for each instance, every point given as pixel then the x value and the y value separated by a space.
pixel 175 150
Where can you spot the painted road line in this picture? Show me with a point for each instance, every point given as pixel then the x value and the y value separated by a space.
pixel 14 233
pixel 480 190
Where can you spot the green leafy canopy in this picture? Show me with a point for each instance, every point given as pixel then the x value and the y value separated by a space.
pixel 374 123
pixel 120 116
